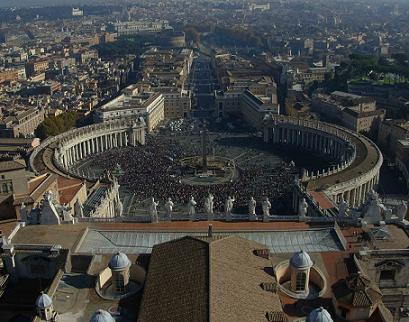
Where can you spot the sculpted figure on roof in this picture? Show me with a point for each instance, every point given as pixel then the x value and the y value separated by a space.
pixel 266 206
pixel 302 208
pixel 252 208
pixel 191 208
pixel 153 210
pixel 169 208
pixel 209 205
pixel 229 207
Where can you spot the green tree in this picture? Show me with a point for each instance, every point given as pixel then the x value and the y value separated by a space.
pixel 55 125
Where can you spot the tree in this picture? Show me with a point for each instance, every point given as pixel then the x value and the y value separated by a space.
pixel 55 125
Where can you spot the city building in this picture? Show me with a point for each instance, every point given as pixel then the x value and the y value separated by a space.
pixel 17 148
pixel 254 108
pixel 251 107
pixel 35 67
pixel 355 112
pixel 77 12
pixel 133 103
pixel 250 97
pixel 393 137
pixel 177 102
pixel 140 27
pixel 9 75
pixel 21 123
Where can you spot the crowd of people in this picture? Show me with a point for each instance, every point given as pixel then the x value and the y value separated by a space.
pixel 145 172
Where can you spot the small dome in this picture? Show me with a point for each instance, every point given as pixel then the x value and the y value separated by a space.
pixel 43 301
pixel 319 315
pixel 102 316
pixel 301 260
pixel 119 261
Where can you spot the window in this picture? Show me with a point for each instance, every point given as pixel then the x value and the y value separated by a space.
pixel 387 275
pixel 300 281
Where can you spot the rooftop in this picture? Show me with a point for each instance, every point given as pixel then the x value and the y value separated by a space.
pixel 12 165
pixel 80 236
pixel 219 281
pixel 141 242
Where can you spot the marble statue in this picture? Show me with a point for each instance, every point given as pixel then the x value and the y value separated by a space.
pixel 342 208
pixel 66 214
pixel 153 210
pixel 191 208
pixel 252 209
pixel 78 209
pixel 169 208
pixel 49 196
pixel 302 208
pixel 375 209
pixel 141 120
pixel 209 205
pixel 402 209
pixel 266 206
pixel 228 207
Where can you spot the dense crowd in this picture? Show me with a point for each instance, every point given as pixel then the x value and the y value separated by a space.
pixel 145 172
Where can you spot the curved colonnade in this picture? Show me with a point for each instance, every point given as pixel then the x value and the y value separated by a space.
pixel 67 149
pixel 356 173
pixel 359 158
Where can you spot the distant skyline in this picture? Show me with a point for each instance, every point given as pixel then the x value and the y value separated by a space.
pixel 41 3
pixel 36 3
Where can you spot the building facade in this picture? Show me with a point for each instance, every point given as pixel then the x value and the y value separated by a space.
pixel 134 104
pixel 355 112
pixel 21 123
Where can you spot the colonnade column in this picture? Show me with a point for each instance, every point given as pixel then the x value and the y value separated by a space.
pixel 353 193
pixel 72 155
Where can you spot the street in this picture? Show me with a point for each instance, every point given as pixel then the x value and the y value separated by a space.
pixel 202 84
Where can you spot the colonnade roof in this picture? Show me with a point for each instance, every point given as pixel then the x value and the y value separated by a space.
pixel 367 156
